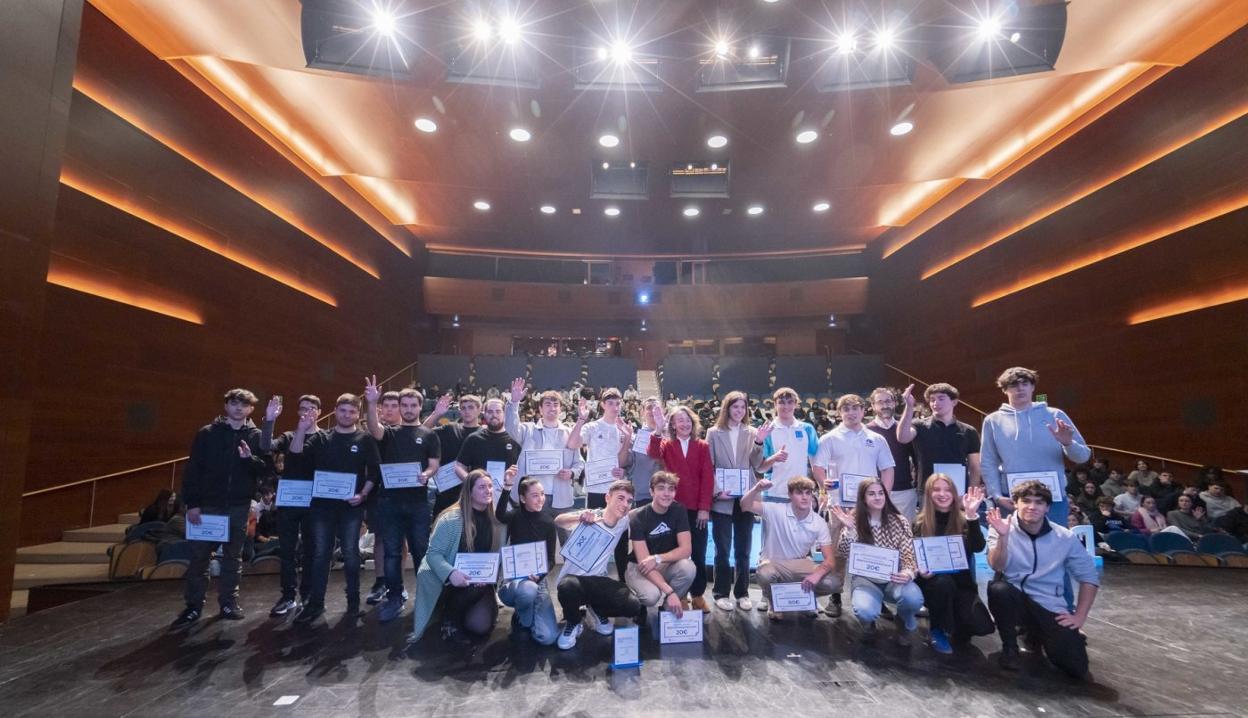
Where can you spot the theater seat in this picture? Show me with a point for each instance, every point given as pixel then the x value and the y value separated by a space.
pixel 1176 549
pixel 1223 549
pixel 1133 548
pixel 174 568
pixel 129 559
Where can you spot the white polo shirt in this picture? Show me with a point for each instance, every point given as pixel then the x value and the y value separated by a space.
pixel 794 439
pixel 601 440
pixel 786 538
pixel 861 452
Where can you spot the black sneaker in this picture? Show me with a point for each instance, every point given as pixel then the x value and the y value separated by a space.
pixel 353 607
pixel 833 609
pixel 1009 659
pixel 885 612
pixel 376 595
pixel 309 613
pixel 868 632
pixel 232 612
pixel 283 607
pixel 188 616
pixel 452 634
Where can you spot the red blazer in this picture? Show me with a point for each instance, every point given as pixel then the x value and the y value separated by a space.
pixel 696 472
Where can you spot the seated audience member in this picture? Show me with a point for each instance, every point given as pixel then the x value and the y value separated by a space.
pixel 1147 519
pixel 1217 500
pixel 951 598
pixel 1128 501
pixel 659 570
pixel 580 588
pixel 1166 490
pixel 1033 557
pixel 790 532
pixel 1207 475
pixel 161 508
pixel 1087 497
pixel 1235 523
pixel 1077 517
pixel 529 523
pixel 1099 471
pixel 1186 520
pixel 1076 483
pixel 1144 476
pixel 875 521
pixel 1104 520
pixel 1114 485
pixel 467 526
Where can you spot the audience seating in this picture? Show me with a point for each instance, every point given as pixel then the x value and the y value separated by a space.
pixel 444 371
pixel 1176 549
pixel 127 560
pixel 1132 547
pixel 853 373
pixel 807 375
pixel 687 375
pixel 1224 549
pixel 269 563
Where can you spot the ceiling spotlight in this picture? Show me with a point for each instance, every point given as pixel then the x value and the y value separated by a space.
pixel 508 30
pixel 846 42
pixel 424 124
pixel 1015 37
pixel 754 52
pixel 885 39
pixel 821 207
pixel 692 211
pixel 481 30
pixel 714 165
pixel 481 205
pixel 609 141
pixel 519 134
pixel 832 320
pixel 632 165
pixel 621 53
pixel 988 28
pixel 602 54
pixel 612 211
pixel 548 209
pixel 689 166
pixel 606 165
pixel 754 210
pixel 383 22
pixel 722 49
pixel 771 2
pixel 805 137
pixel 455 321
pixel 716 141
pixel 901 128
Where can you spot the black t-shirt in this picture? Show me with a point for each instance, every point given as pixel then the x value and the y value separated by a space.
pixel 903 455
pixel 353 453
pixel 524 526
pixel 483 446
pixel 404 444
pixel 658 530
pixel 939 443
pixel 295 466
pixel 451 438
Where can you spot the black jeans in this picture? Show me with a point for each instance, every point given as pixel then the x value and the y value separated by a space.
pixel 732 532
pixel 472 608
pixel 699 536
pixel 329 520
pixel 950 602
pixel 293 531
pixel 608 597
pixel 1066 648
pixel 196 586
pixel 402 518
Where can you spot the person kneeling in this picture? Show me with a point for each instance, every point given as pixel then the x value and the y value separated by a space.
pixel 660 571
pixel 1032 557
pixel 529 523
pixel 589 586
pixel 468 526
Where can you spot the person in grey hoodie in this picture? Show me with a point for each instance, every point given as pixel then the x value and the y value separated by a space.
pixel 1032 557
pixel 1023 437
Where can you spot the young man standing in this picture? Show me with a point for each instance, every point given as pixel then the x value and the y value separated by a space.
pixel 545 434
pixel 1032 556
pixel 389 416
pixel 403 511
pixel 1028 437
pixel 220 479
pixel 852 449
pixel 787 451
pixel 292 521
pixel 940 438
pixel 660 571
pixel 903 492
pixel 341 449
pixel 451 438
pixel 602 440
pixel 489 443
pixel 589 587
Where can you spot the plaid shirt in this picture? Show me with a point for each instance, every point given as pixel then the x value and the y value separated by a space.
pixel 894 534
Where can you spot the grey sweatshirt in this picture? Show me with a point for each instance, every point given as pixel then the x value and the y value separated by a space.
pixel 1015 441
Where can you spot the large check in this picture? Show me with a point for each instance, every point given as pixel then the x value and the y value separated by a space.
pixel 333 485
pixel 497 471
pixel 641 440
pixel 849 488
pixel 543 462
pixel 587 545
pixel 402 476
pixel 1048 478
pixel 212 527
pixel 873 562
pixel 734 482
pixel 294 494
pixel 940 554
pixel 686 629
pixel 957 472
pixel 521 560
pixel 792 597
pixel 446 478
pixel 478 567
pixel 598 474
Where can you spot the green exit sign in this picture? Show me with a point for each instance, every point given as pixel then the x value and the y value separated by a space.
pixel 1042 397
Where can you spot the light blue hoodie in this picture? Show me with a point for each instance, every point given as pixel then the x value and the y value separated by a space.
pixel 1038 565
pixel 1014 441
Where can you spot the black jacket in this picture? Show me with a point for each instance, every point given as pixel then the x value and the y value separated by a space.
pixel 215 474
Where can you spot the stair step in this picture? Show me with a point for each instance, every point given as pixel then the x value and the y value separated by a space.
pixel 108 533
pixel 65 552
pixel 29 575
pixel 128 519
pixel 17 603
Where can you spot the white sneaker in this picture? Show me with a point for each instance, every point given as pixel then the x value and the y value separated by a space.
pixel 724 603
pixel 567 638
pixel 603 626
pixel 745 604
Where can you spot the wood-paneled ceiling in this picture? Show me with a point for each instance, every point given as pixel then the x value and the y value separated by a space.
pixel 248 55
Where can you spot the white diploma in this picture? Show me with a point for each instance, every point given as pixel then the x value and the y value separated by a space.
pixel 641 440
pixel 792 597
pixel 627 647
pixel 734 482
pixel 333 485
pixel 293 493
pixel 957 472
pixel 446 478
pixel 873 562
pixel 543 462
pixel 686 629
pixel 521 560
pixel 849 488
pixel 478 567
pixel 598 474
pixel 1048 478
pixel 497 470
pixel 587 544
pixel 401 476
pixel 212 527
pixel 940 554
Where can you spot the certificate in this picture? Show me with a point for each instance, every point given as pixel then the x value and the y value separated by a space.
pixel 497 471
pixel 295 494
pixel 957 472
pixel 401 476
pixel 627 647
pixel 1048 478
pixel 849 488
pixel 792 597
pixel 686 629
pixel 446 478
pixel 543 463
pixel 333 485
pixel 1087 536
pixel 212 527
pixel 598 474
pixel 478 567
pixel 940 554
pixel 641 440
pixel 521 560
pixel 588 544
pixel 734 482
pixel 873 562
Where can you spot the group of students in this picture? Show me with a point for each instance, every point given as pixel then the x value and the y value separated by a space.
pixel 658 484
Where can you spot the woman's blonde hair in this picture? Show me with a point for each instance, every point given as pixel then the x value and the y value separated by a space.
pixel 925 524
pixel 464 508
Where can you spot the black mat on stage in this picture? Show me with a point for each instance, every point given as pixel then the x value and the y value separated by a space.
pixel 1163 641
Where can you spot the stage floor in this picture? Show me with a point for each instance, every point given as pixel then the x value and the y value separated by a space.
pixel 1163 641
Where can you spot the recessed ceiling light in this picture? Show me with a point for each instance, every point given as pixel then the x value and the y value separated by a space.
pixel 901 128
pixel 611 211
pixel 716 141
pixel 754 210
pixel 821 207
pixel 606 165
pixel 482 30
pixel 988 28
pixel 632 165
pixel 481 205
pixel 692 211
pixel 722 48
pixel 383 22
pixel 519 134
pixel 509 30
pixel 846 42
pixel 805 137
pixel 771 2
pixel 609 140
pixel 548 209
pixel 424 124
pixel 1015 37
pixel 621 53
pixel 714 165
pixel 754 52
pixel 885 39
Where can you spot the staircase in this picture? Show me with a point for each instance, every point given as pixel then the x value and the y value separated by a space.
pixel 79 557
pixel 647 383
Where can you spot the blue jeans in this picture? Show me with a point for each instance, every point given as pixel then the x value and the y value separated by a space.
pixel 533 606
pixel 869 597
pixel 402 518
pixel 330 519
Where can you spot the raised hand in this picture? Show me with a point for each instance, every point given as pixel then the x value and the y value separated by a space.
pixel 372 392
pixel 517 390
pixel 307 422
pixel 764 431
pixel 274 409
pixel 995 520
pixel 626 432
pixel 244 450
pixel 657 412
pixel 972 499
pixel 443 405
pixel 781 456
pixel 509 476
pixel 908 396
pixel 617 473
pixel 764 485
pixel 842 515
pixel 582 411
pixel 1063 432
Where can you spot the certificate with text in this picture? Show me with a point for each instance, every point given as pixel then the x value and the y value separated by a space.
pixel 734 482
pixel 497 471
pixel 641 440
pixel 543 462
pixel 1048 478
pixel 792 597
pixel 478 567
pixel 873 562
pixel 849 488
pixel 940 554
pixel 294 494
pixel 521 560
pixel 333 485
pixel 686 629
pixel 212 527
pixel 588 544
pixel 446 478
pixel 598 474
pixel 402 476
